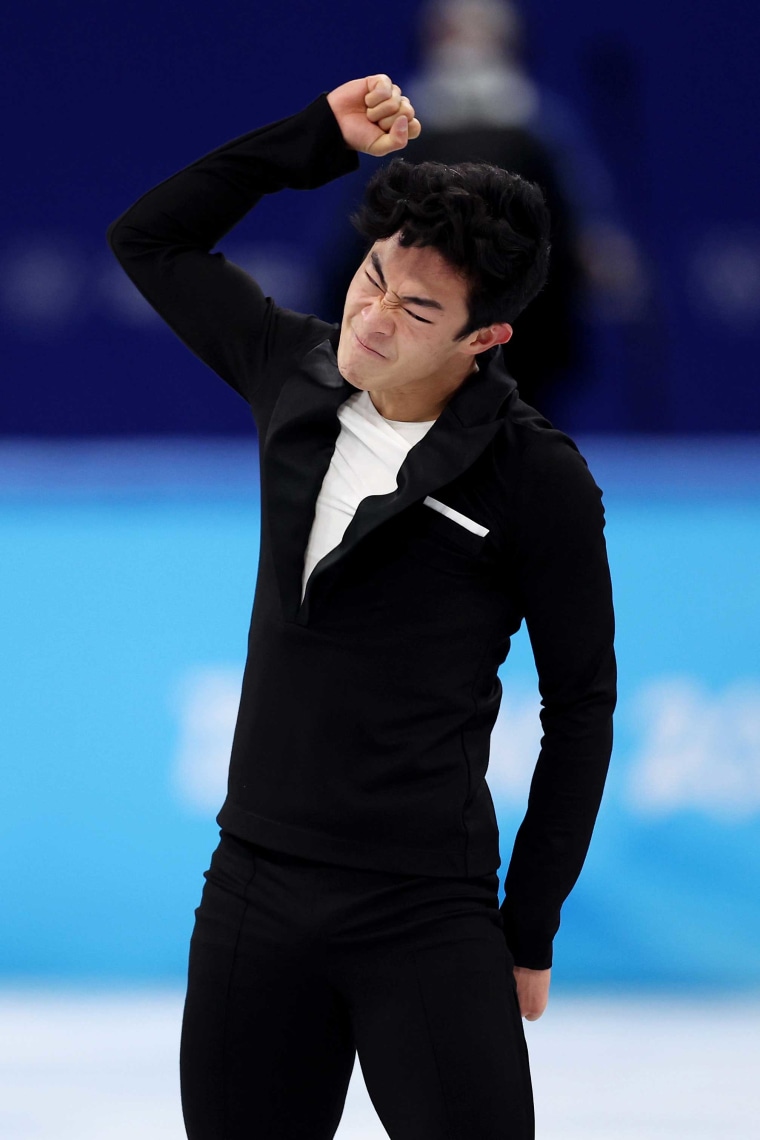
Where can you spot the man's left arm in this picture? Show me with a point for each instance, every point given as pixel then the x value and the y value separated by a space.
pixel 564 582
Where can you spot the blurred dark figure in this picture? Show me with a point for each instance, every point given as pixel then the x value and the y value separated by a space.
pixel 477 103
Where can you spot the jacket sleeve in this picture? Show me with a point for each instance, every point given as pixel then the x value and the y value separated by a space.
pixel 163 243
pixel 566 597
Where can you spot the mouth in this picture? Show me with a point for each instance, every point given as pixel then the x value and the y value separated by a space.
pixel 367 348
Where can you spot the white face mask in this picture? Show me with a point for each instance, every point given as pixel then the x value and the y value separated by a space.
pixel 474 95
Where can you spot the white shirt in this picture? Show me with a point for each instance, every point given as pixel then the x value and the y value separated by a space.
pixel 368 453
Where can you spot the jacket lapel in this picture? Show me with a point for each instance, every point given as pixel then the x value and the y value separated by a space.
pixel 301 439
pixel 296 454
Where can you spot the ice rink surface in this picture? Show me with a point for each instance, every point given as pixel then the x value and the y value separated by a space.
pixel 102 1065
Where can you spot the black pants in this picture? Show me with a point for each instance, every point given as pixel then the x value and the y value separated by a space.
pixel 295 966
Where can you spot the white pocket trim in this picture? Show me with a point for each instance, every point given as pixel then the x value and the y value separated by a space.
pixel 455 516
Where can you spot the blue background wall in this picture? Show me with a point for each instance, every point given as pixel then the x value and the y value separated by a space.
pixel 130 570
pixel 127 568
pixel 102 102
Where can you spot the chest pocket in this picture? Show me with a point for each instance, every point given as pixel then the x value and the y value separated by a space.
pixel 441 542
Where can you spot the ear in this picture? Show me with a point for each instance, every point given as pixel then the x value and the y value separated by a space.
pixel 488 337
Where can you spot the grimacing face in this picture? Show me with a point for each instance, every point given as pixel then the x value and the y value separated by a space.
pixel 402 309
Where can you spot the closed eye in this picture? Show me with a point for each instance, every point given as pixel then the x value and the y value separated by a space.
pixel 422 319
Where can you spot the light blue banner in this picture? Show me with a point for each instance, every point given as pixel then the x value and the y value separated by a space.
pixel 126 577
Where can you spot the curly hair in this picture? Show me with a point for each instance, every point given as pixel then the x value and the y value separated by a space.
pixel 489 224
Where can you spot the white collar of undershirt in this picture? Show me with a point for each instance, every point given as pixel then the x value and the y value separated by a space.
pixel 410 429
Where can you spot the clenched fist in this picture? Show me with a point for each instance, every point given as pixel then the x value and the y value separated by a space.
pixel 373 115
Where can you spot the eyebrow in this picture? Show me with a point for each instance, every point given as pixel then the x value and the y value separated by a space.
pixel 423 302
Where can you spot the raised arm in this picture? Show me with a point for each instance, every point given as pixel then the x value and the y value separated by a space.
pixel 164 240
pixel 564 579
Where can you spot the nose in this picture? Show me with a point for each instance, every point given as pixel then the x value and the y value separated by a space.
pixel 376 318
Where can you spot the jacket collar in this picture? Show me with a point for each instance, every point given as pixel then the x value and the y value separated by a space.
pixel 299 444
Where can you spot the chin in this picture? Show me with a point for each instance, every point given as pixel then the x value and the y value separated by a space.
pixel 349 373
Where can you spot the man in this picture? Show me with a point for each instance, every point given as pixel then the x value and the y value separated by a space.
pixel 414 511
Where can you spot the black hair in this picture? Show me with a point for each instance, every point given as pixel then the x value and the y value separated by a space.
pixel 489 224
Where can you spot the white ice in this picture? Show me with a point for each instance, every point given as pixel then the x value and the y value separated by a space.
pixel 102 1065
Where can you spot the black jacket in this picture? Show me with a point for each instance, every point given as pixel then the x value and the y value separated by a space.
pixel 364 724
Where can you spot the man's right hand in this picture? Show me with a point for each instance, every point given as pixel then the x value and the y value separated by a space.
pixel 373 115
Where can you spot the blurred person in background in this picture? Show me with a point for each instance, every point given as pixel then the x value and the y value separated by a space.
pixel 480 104
pixel 414 510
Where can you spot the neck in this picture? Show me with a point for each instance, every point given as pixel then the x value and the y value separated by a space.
pixel 418 406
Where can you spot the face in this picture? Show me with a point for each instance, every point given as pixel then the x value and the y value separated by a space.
pixel 402 310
